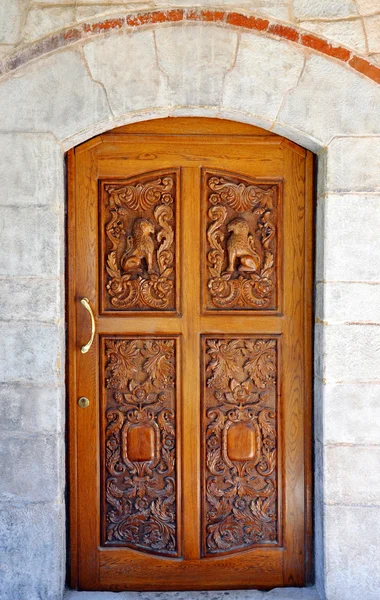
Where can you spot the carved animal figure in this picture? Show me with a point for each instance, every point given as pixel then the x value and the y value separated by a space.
pixel 141 246
pixel 240 245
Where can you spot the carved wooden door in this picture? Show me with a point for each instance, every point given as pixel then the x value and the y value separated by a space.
pixel 190 240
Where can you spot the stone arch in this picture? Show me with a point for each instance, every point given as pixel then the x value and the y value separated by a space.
pixel 224 70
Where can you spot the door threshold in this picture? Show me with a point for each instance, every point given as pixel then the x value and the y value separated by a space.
pixel 309 593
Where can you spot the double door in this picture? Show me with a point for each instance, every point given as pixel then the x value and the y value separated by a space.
pixel 189 293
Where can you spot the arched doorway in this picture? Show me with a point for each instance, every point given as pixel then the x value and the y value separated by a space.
pixel 191 240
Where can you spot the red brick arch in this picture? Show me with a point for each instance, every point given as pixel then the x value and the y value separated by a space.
pixel 223 18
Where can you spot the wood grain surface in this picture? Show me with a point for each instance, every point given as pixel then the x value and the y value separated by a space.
pixel 191 467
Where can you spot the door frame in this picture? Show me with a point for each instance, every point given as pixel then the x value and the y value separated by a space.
pixel 173 126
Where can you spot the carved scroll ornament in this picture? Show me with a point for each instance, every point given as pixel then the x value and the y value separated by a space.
pixel 140 481
pixel 140 261
pixel 241 243
pixel 240 501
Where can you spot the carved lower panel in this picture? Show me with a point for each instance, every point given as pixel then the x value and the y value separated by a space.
pixel 140 505
pixel 138 227
pixel 240 249
pixel 239 458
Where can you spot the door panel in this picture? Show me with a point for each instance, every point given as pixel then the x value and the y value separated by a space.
pixel 194 251
pixel 138 227
pixel 240 495
pixel 241 238
pixel 140 488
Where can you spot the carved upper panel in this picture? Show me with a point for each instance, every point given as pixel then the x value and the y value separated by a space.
pixel 140 462
pixel 239 461
pixel 139 257
pixel 241 245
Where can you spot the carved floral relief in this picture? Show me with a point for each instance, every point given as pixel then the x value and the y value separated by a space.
pixel 240 243
pixel 139 226
pixel 140 463
pixel 239 416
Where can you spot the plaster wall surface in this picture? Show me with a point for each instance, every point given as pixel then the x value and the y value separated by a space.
pixel 119 75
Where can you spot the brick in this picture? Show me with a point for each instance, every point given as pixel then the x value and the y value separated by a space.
pixel 311 41
pixel 366 68
pixel 247 22
pixel 288 33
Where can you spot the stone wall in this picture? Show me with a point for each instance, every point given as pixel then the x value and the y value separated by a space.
pixel 351 23
pixel 92 84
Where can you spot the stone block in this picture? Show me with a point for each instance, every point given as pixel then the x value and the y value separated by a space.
pixel 363 156
pixel 319 349
pixel 31 241
pixel 30 468
pixel 331 100
pixel 368 7
pixel 321 166
pixel 318 412
pixel 351 236
pixel 348 32
pixel 351 353
pixel 11 17
pixel 320 243
pixel 32 552
pixel 278 9
pixel 372 27
pixel 318 466
pixel 127 66
pixel 60 2
pixel 98 11
pixel 196 69
pixel 304 9
pixel 352 552
pixel 348 302
pixel 106 2
pixel 42 21
pixel 31 170
pixel 36 409
pixel 54 94
pixel 258 86
pixel 351 413
pixel 29 298
pixel 375 58
pixel 319 557
pixel 351 475
pixel 31 353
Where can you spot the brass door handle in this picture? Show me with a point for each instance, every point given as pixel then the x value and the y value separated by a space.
pixel 87 306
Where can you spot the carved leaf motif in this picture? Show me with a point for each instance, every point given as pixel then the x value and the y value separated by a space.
pixel 261 362
pixel 142 196
pixel 159 363
pixel 140 493
pixel 224 366
pixel 165 238
pixel 240 197
pixel 240 498
pixel 121 363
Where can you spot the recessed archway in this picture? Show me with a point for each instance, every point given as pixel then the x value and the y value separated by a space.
pixel 68 96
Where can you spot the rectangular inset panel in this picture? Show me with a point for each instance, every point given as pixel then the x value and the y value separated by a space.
pixel 140 475
pixel 240 231
pixel 138 253
pixel 239 423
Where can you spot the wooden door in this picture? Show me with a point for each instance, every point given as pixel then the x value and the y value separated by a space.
pixel 191 239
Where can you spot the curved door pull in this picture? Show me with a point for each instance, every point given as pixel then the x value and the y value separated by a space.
pixel 87 306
